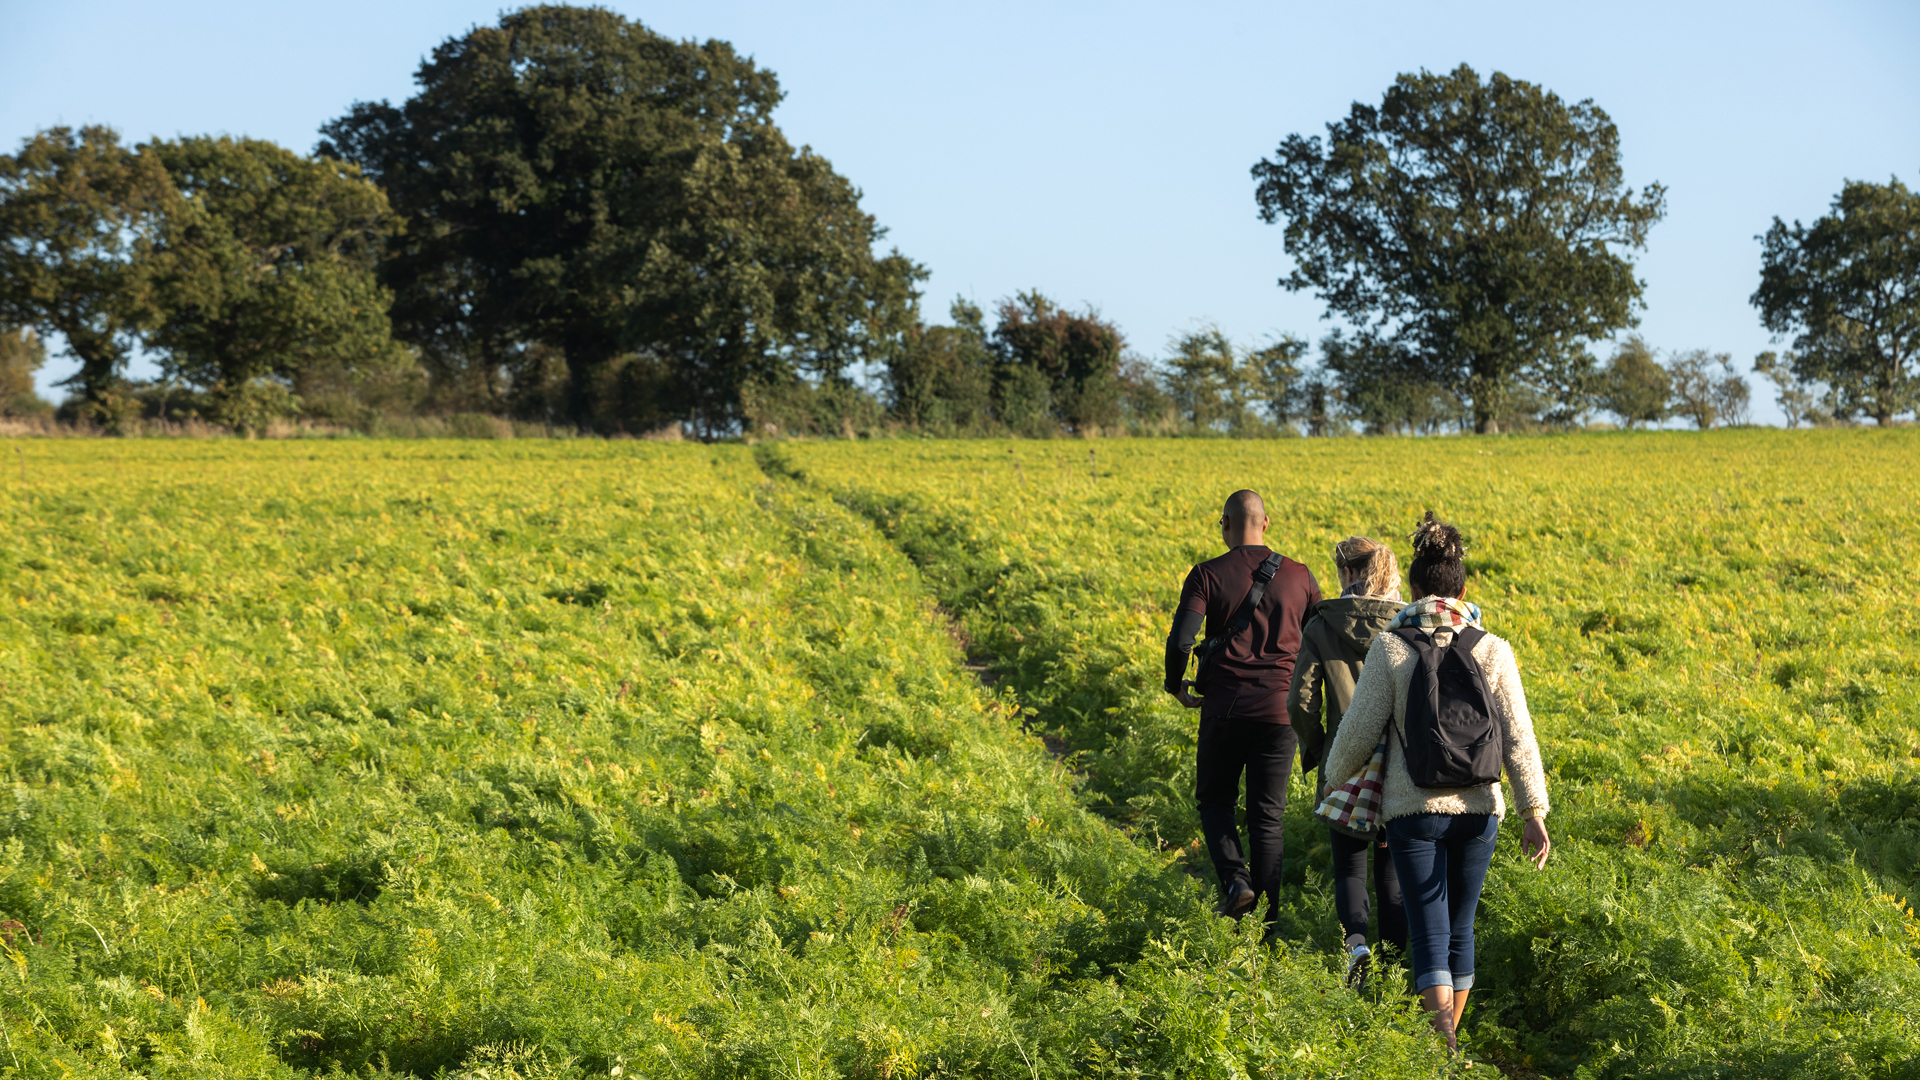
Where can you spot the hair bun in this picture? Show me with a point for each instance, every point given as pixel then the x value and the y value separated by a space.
pixel 1435 539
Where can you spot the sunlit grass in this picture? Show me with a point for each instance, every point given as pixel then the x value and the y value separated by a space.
pixel 542 759
pixel 1719 643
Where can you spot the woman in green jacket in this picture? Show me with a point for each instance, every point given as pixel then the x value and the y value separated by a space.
pixel 1333 645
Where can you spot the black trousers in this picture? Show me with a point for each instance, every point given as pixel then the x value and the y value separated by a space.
pixel 1350 890
pixel 1263 752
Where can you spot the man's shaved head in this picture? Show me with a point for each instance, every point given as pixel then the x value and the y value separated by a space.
pixel 1244 508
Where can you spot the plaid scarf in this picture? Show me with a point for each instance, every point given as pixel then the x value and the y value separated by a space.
pixel 1356 804
pixel 1429 612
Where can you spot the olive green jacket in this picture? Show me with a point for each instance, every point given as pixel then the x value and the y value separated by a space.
pixel 1333 646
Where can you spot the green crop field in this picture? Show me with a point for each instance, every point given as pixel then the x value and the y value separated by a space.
pixel 558 759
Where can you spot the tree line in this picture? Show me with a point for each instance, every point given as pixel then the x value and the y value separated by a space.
pixel 577 221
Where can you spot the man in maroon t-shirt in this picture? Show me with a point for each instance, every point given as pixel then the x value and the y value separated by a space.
pixel 1243 718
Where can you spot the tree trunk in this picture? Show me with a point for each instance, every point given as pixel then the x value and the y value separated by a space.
pixel 580 371
pixel 99 366
pixel 1486 394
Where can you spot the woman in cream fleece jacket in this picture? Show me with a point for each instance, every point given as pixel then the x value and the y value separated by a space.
pixel 1441 839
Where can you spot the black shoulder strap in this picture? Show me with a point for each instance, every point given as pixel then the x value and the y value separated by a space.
pixel 1262 576
pixel 1465 639
pixel 1413 635
pixel 1421 642
pixel 1462 647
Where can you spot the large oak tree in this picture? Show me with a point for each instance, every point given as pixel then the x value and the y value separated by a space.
pixel 1849 286
pixel 229 259
pixel 77 209
pixel 571 178
pixel 1481 225
pixel 265 268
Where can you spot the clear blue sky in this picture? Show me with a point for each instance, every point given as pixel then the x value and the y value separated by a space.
pixel 1100 152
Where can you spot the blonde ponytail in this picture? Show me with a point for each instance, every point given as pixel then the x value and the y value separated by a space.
pixel 1371 562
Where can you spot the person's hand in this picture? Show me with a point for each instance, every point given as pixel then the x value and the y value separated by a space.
pixel 1534 842
pixel 1185 696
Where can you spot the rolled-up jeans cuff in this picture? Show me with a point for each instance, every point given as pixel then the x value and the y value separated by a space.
pixel 1463 982
pixel 1442 977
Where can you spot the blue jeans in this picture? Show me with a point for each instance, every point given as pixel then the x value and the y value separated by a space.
pixel 1442 860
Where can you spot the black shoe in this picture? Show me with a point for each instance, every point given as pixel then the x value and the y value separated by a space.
pixel 1239 900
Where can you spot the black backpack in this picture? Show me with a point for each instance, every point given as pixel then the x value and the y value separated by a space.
pixel 1210 651
pixel 1452 739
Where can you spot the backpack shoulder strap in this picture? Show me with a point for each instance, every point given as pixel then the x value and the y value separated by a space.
pixel 1462 647
pixel 1262 577
pixel 1466 638
pixel 1268 567
pixel 1421 643
pixel 1413 636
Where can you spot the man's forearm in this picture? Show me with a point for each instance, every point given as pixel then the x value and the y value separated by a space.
pixel 1186 627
